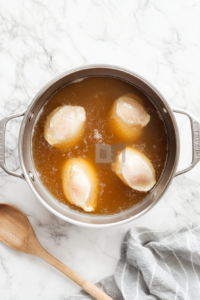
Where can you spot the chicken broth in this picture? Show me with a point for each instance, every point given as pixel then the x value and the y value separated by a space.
pixel 97 95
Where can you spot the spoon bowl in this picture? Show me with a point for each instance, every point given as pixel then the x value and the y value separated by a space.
pixel 15 229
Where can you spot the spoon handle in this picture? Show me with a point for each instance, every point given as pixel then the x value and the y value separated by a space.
pixel 89 287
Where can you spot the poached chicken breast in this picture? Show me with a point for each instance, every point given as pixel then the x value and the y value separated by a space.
pixel 80 183
pixel 64 126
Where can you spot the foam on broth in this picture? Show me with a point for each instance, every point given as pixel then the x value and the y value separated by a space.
pixel 96 95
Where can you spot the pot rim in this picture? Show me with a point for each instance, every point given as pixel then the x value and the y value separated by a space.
pixel 27 114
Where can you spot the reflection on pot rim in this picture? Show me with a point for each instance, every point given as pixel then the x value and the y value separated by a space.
pixel 159 102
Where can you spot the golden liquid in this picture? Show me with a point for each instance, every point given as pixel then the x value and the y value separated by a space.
pixel 96 95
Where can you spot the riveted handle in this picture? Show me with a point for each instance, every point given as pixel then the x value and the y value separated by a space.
pixel 2 144
pixel 195 129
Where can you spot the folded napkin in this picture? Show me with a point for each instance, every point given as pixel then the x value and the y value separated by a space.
pixel 155 265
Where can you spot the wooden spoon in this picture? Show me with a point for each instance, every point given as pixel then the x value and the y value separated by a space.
pixel 17 233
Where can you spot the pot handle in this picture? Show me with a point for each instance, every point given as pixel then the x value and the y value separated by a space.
pixel 2 144
pixel 195 129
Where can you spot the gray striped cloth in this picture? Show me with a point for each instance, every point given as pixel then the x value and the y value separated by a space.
pixel 155 265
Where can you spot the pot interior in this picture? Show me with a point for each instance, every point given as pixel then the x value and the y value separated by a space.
pixel 30 172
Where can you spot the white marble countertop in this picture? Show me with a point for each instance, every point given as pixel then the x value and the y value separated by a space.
pixel 159 40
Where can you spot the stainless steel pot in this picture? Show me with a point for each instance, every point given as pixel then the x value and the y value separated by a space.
pixel 27 164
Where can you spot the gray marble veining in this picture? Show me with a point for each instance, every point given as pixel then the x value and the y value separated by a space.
pixel 40 39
